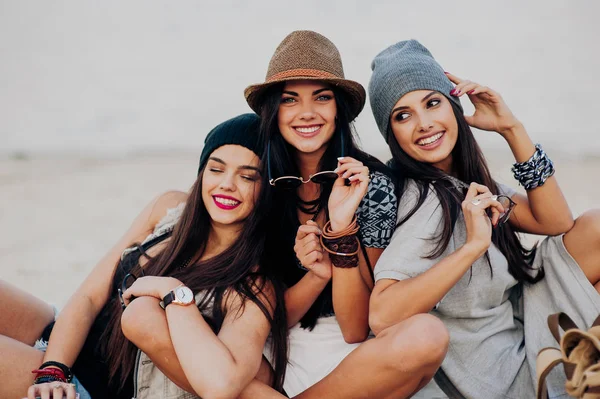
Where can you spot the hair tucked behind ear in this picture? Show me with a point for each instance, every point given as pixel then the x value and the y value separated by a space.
pixel 469 166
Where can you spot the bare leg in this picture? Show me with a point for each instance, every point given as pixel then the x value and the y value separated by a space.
pixel 583 243
pixel 395 364
pixel 16 363
pixel 23 317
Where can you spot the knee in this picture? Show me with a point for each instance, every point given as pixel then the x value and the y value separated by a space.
pixel 422 342
pixel 587 226
pixel 140 320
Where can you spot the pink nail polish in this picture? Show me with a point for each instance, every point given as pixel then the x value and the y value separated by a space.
pixel 453 92
pixel 446 72
pixel 471 92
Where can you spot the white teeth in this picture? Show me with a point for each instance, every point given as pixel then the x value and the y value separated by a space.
pixel 430 140
pixel 226 201
pixel 308 129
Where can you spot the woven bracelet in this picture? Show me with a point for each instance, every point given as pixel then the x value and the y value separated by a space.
pixel 535 171
pixel 343 246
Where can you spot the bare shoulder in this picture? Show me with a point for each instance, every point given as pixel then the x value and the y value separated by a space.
pixel 164 202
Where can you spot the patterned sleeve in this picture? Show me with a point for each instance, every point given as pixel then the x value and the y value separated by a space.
pixel 376 214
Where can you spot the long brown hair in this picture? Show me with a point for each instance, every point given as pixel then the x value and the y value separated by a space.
pixel 283 215
pixel 232 271
pixel 470 166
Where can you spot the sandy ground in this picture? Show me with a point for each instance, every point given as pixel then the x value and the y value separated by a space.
pixel 58 215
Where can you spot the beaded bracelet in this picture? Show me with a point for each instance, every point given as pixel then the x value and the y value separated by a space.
pixel 47 378
pixel 342 246
pixel 535 171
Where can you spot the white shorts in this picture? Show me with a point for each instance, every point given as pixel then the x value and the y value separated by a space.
pixel 313 354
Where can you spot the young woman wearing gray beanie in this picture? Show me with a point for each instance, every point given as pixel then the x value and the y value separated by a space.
pixel 455 252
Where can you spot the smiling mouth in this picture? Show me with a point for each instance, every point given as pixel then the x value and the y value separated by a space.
pixel 226 203
pixel 307 130
pixel 430 140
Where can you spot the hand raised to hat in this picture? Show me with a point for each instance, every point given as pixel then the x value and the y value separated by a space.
pixel 345 198
pixel 491 112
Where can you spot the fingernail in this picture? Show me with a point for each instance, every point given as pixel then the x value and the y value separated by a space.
pixel 446 72
pixel 340 158
pixel 336 170
pixel 453 92
pixel 352 178
pixel 471 91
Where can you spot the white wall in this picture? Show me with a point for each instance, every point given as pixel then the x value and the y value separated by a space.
pixel 112 77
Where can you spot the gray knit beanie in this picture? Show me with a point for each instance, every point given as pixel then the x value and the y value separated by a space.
pixel 399 69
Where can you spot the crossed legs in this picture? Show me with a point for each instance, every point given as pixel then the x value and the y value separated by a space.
pixel 395 364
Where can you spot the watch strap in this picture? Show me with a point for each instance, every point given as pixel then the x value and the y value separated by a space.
pixel 170 297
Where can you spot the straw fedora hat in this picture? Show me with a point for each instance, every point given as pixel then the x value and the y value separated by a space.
pixel 307 55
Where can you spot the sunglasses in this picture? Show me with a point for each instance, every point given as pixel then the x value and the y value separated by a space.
pixel 508 204
pixel 290 182
pixel 127 282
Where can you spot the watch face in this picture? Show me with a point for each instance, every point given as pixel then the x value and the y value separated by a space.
pixel 184 295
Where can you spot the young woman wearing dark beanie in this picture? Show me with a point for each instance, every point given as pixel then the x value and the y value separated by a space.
pixel 333 213
pixel 455 253
pixel 203 249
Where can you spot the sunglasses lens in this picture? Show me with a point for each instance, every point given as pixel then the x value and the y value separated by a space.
pixel 507 204
pixel 324 177
pixel 287 183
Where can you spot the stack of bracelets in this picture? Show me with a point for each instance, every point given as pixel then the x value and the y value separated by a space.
pixel 52 371
pixel 535 171
pixel 342 246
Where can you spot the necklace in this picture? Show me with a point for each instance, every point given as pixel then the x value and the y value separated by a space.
pixel 309 207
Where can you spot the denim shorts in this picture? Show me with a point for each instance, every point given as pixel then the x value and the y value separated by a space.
pixel 42 345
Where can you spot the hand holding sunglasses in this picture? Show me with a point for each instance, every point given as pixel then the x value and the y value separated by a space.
pixel 348 191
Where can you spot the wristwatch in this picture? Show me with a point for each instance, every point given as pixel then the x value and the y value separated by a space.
pixel 181 295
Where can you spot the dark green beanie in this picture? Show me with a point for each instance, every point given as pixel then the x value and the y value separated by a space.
pixel 399 69
pixel 241 130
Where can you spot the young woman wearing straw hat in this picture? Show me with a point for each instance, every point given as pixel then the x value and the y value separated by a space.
pixel 194 239
pixel 333 213
pixel 456 253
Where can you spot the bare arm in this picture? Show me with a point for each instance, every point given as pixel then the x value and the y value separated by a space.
pixel 393 301
pixel 215 366
pixel 300 297
pixel 85 304
pixel 351 294
pixel 544 210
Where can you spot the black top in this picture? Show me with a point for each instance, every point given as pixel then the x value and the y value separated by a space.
pixel 376 216
pixel 91 368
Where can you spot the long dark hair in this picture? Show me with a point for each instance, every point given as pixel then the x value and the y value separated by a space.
pixel 283 216
pixel 469 166
pixel 232 271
